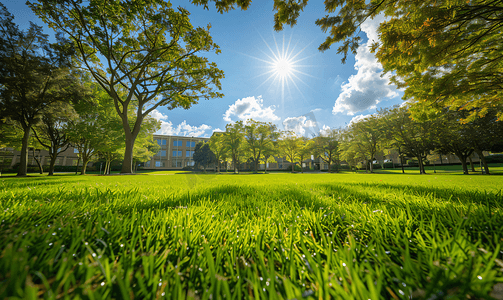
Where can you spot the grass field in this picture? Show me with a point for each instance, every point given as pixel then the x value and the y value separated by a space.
pixel 176 235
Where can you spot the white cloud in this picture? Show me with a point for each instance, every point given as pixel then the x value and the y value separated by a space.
pixel 367 88
pixel 218 130
pixel 158 115
pixel 324 131
pixel 357 119
pixel 182 129
pixel 298 124
pixel 251 108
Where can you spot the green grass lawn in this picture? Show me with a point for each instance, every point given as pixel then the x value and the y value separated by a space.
pixel 265 236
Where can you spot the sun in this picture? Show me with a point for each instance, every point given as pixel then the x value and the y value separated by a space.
pixel 282 65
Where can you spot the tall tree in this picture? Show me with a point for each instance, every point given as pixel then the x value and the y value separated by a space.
pixel 451 138
pixel 146 47
pixel 272 148
pixel 257 136
pixel 33 75
pixel 368 137
pixel 218 147
pixel 326 146
pixel 415 138
pixel 234 138
pixel 203 156
pixel 290 146
pixel 306 151
pixel 50 132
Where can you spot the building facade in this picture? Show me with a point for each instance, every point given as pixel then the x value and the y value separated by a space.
pixel 176 152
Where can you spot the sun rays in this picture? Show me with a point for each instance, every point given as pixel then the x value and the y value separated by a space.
pixel 282 67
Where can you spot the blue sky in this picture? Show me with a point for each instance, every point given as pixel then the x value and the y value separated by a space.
pixel 320 92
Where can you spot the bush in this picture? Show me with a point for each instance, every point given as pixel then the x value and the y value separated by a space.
pixel 494 158
pixel 412 163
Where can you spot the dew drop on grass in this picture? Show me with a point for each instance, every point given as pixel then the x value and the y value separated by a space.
pixel 103 283
pixel 165 293
pixel 479 277
pixel 344 264
pixel 401 292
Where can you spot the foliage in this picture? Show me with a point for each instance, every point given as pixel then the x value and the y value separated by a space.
pixel 326 146
pixel 327 236
pixel 368 137
pixel 219 148
pixel 203 156
pixel 258 139
pixel 33 76
pixel 235 140
pixel 445 53
pixel 145 47
pixel 415 138
pixel 50 132
pixel 290 147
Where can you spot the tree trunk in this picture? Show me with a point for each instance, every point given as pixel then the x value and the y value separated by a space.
pixel 77 168
pixel 483 159
pixel 371 167
pixel 235 164
pixel 471 163
pixel 256 166
pixel 52 163
pixel 84 166
pixel 421 165
pixel 465 166
pixel 329 167
pixel 218 166
pixel 293 167
pixel 127 163
pixel 401 163
pixel 40 169
pixel 441 159
pixel 23 161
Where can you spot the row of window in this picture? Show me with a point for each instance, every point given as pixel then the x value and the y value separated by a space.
pixel 188 144
pixel 174 164
pixel 176 153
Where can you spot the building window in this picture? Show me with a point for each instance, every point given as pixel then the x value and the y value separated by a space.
pixel 161 153
pixel 176 164
pixel 161 142
pixel 177 143
pixel 177 153
pixel 190 144
pixel 147 164
pixel 189 153
pixel 190 163
pixel 159 164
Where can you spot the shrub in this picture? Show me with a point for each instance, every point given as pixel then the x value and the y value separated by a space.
pixel 494 158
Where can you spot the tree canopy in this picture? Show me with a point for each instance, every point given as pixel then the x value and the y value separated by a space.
pixel 146 47
pixel 34 75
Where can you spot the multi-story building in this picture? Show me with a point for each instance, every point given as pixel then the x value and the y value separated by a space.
pixel 176 152
pixel 10 157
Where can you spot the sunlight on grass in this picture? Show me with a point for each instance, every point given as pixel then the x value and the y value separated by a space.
pixel 361 236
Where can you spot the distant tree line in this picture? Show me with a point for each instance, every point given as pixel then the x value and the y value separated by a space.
pixel 391 130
